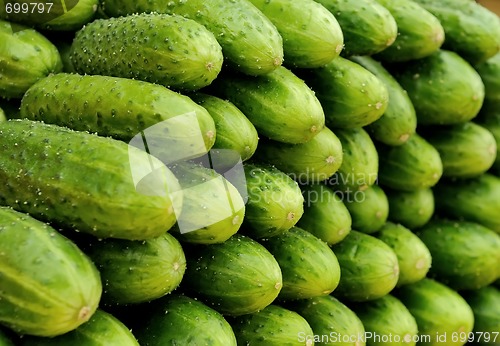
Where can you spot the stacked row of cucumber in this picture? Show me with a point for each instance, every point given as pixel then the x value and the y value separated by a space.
pixel 112 230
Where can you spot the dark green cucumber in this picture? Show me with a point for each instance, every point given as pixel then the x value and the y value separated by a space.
pixel 325 214
pixel 92 184
pixel 441 96
pixel 275 202
pixel 485 304
pixel 414 258
pixel 169 50
pixel 312 37
pixel 236 277
pixel 412 209
pixel 309 266
pixel 420 33
pixel 465 255
pixel 369 210
pixel 490 74
pixel 49 286
pixel 399 121
pixel 279 104
pixel 249 40
pixel 26 56
pixel 310 162
pixel 490 120
pixel 272 325
pixel 370 267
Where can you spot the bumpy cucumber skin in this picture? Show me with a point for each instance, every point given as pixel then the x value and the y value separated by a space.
pixel 180 320
pixel 169 50
pixel 275 202
pixel 399 121
pixel 440 95
pixel 236 277
pixel 485 304
pixel 370 211
pixel 412 209
pixel 438 310
pixel 419 32
pixel 414 258
pixel 102 329
pixel 85 182
pixel 250 42
pixel 234 130
pixel 309 267
pixel 49 286
pixel 280 105
pixel 312 37
pixel 272 325
pixel 370 267
pixel 26 56
pixel 136 272
pixel 120 108
pixel 471 30
pixel 368 27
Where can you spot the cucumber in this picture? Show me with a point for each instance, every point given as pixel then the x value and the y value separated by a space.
pixel 280 105
pixel 312 37
pixel 399 121
pixel 272 325
pixel 275 202
pixel 236 277
pixel 310 162
pixel 411 166
pixel 490 120
pixel 234 130
pixel 370 267
pixel 325 214
pixel 49 286
pixel 131 107
pixel 180 320
pixel 387 322
pixel 420 33
pixel 2 115
pixel 309 267
pixel 490 74
pixel 136 272
pixel 102 328
pixel 4 339
pixel 368 27
pixel 369 212
pixel 86 182
pixel 26 56
pixel 485 304
pixel 470 29
pixel 466 150
pixel 250 42
pixel 351 95
pixel 414 258
pixel 465 255
pixel 412 209
pixel 169 50
pixel 440 95
pixel 442 315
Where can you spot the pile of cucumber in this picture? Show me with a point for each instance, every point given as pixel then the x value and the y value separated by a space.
pixel 249 172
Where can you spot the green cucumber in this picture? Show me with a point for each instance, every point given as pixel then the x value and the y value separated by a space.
pixel 370 267
pixel 272 325
pixel 369 211
pixel 420 33
pixel 412 209
pixel 351 95
pixel 169 50
pixel 92 184
pixel 485 304
pixel 250 42
pixel 236 277
pixel 280 105
pixel 312 37
pixel 490 74
pixel 399 121
pixel 101 329
pixel 49 286
pixel 310 162
pixel 2 115
pixel 173 125
pixel 325 214
pixel 490 120
pixel 309 267
pixel 465 255
pixel 414 258
pixel 26 56
pixel 441 96
pixel 275 202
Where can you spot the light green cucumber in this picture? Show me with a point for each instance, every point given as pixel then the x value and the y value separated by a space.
pixel 2 115
pixel 412 209
pixel 369 210
pixel 485 304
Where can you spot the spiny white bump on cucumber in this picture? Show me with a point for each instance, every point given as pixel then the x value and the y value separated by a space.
pixel 290 216
pixel 420 263
pixel 277 285
pixel 84 313
pixel 314 128
pixel 378 105
pixel 330 159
